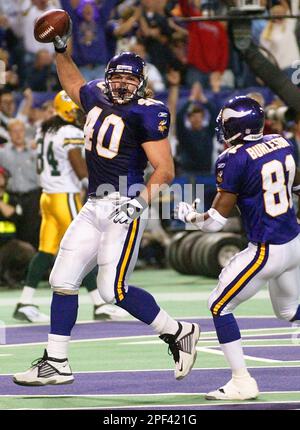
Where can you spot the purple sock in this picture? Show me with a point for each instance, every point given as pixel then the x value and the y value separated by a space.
pixel 297 315
pixel 227 328
pixel 140 304
pixel 63 313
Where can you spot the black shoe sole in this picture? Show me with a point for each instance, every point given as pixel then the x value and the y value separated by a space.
pixel 21 317
pixel 37 384
pixel 102 317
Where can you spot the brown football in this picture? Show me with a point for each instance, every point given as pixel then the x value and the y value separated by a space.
pixel 53 23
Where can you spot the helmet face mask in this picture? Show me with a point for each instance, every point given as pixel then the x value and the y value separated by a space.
pixel 125 78
pixel 123 87
pixel 240 120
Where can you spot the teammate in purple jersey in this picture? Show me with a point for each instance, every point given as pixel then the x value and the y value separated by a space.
pixel 124 129
pixel 258 174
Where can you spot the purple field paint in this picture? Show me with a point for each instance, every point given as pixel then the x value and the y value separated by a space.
pixel 94 330
pixel 269 379
pixel 283 353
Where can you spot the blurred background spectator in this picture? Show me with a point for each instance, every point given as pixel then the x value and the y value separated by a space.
pixel 279 38
pixel 90 49
pixel 14 254
pixel 207 45
pixel 20 160
pixel 41 74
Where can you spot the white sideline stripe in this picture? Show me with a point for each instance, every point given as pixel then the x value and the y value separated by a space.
pixel 13 345
pixel 132 319
pixel 214 344
pixel 215 340
pixel 164 370
pixel 177 318
pixel 163 297
pixel 213 333
pixel 212 402
pixel 247 357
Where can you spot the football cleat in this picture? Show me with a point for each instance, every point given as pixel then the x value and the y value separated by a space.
pixel 107 312
pixel 182 346
pixel 244 389
pixel 29 313
pixel 46 371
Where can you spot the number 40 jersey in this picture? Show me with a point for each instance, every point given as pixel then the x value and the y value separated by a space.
pixel 261 173
pixel 53 165
pixel 114 134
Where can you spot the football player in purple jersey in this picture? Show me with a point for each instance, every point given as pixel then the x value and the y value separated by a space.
pixel 258 174
pixel 124 129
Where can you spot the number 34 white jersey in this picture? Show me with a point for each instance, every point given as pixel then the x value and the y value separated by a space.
pixel 53 165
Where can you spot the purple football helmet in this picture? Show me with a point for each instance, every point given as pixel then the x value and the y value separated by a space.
pixel 241 119
pixel 126 63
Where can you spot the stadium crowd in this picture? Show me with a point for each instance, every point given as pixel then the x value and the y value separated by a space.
pixel 192 66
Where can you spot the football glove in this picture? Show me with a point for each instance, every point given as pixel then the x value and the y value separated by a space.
pixel 60 42
pixel 128 211
pixel 186 212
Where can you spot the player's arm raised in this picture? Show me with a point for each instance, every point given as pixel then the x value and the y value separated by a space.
pixel 68 73
pixel 160 157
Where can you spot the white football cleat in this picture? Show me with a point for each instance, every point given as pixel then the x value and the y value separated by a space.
pixel 107 312
pixel 183 347
pixel 30 313
pixel 244 389
pixel 46 371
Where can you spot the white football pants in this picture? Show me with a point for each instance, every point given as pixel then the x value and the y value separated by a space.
pixel 251 269
pixel 93 239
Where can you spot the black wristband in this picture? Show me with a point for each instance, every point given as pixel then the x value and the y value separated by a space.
pixel 60 50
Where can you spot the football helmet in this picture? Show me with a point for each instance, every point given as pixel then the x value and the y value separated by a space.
pixel 65 108
pixel 126 63
pixel 241 119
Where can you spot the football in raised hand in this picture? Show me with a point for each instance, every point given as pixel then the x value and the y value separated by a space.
pixel 53 23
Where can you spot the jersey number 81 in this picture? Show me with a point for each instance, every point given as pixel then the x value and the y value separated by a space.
pixel 277 194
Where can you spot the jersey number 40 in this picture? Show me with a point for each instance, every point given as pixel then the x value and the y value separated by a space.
pixel 111 120
pixel 278 192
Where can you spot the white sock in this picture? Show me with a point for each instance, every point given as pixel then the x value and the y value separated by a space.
pixel 96 298
pixel 27 295
pixel 163 323
pixel 58 346
pixel 233 352
pixel 239 374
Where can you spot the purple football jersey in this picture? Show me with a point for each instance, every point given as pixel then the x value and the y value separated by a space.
pixel 261 173
pixel 114 135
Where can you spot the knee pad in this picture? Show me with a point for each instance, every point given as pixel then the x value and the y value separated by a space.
pixel 60 286
pixel 64 291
